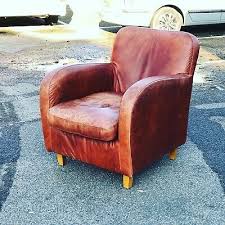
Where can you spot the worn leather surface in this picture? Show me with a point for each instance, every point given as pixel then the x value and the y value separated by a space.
pixel 153 72
pixel 141 52
pixel 94 116
pixel 153 119
pixel 103 154
pixel 68 83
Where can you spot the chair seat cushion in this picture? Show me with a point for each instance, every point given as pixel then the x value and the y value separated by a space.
pixel 94 116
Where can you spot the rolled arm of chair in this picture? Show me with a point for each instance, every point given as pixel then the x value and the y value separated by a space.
pixel 153 119
pixel 71 82
pixel 76 81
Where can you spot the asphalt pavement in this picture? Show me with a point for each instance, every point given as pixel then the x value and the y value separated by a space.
pixel 34 190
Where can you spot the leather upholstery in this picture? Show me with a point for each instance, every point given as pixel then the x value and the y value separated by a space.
pixel 103 154
pixel 68 83
pixel 145 89
pixel 153 119
pixel 136 56
pixel 94 116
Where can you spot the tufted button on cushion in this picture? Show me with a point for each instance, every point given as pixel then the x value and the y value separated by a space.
pixel 94 116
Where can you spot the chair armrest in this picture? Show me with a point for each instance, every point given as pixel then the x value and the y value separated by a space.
pixel 153 119
pixel 76 81
pixel 71 82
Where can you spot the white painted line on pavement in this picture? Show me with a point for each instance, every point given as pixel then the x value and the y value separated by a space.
pixel 220 105
pixel 219 119
pixel 214 61
pixel 212 37
pixel 219 88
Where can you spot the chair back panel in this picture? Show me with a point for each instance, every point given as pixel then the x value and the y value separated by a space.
pixel 142 52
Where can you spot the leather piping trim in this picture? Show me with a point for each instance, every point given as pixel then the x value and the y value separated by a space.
pixel 192 55
pixel 85 136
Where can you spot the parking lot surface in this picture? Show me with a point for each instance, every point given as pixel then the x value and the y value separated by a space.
pixel 34 190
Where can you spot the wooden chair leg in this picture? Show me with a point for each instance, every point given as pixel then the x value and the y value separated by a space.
pixel 173 154
pixel 60 159
pixel 127 182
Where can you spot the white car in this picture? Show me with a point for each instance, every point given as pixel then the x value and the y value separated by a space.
pixel 163 14
pixel 48 9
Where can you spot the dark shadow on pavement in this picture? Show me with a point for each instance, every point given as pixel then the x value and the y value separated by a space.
pixel 199 31
pixel 110 27
pixel 206 30
pixel 209 141
pixel 21 21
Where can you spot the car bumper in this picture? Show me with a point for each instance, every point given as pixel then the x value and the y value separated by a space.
pixel 36 8
pixel 126 18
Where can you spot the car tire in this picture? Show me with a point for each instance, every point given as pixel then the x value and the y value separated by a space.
pixel 167 18
pixel 51 19
pixel 67 18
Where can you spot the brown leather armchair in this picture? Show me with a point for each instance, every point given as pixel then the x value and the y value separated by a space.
pixel 127 113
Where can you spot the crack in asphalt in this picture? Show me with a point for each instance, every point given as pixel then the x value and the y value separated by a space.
pixel 7 173
pixel 10 122
pixel 9 154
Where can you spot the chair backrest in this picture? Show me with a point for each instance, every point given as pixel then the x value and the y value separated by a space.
pixel 142 52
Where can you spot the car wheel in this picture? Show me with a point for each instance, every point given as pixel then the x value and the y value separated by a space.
pixel 67 18
pixel 167 18
pixel 51 20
